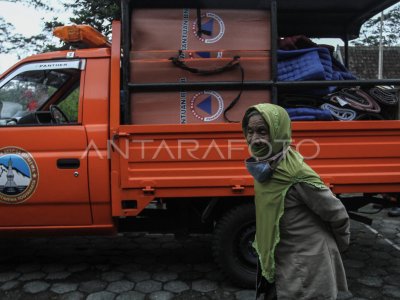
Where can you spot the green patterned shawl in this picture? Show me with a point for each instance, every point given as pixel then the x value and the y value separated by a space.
pixel 269 196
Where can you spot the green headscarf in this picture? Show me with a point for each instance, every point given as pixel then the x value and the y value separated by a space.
pixel 270 195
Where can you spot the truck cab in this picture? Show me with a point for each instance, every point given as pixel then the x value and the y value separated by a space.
pixel 46 137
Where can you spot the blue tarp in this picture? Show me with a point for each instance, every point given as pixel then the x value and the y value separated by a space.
pixel 311 64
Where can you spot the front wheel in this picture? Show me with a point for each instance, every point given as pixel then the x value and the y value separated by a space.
pixel 232 245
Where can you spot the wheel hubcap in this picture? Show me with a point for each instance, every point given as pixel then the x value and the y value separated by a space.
pixel 247 254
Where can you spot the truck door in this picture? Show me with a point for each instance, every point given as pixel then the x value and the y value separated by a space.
pixel 43 162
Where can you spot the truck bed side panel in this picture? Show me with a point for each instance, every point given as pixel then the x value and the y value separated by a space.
pixel 207 160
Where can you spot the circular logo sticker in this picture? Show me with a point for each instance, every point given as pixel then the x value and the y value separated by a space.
pixel 19 175
pixel 207 106
pixel 212 28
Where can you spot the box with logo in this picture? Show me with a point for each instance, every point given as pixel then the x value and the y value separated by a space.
pixel 165 29
pixel 192 107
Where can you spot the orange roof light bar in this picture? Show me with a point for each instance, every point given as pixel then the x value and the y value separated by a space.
pixel 84 34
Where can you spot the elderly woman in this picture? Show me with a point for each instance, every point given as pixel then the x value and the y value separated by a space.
pixel 300 225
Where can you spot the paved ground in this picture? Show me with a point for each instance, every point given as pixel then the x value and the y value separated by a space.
pixel 139 266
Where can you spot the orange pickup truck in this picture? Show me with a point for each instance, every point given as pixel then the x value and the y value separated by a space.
pixel 86 147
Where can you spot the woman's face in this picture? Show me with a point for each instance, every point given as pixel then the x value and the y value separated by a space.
pixel 257 131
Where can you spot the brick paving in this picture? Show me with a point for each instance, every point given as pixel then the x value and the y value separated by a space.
pixel 158 267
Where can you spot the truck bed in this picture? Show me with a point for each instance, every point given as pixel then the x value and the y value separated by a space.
pixel 178 161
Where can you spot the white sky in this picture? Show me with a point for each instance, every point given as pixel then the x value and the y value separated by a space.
pixel 27 21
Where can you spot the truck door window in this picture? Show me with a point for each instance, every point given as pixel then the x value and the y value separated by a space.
pixel 27 98
pixel 69 105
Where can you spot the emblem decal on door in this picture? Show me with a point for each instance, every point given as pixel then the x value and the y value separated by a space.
pixel 19 175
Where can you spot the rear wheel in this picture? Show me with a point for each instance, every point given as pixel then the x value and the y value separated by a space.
pixel 232 245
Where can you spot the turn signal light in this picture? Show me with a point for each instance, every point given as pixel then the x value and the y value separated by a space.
pixel 81 34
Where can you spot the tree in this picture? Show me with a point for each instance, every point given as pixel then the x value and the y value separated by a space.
pixel 6 31
pixel 369 35
pixel 98 14
pixel 16 42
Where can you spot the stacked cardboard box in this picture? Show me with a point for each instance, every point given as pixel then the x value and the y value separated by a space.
pixel 232 46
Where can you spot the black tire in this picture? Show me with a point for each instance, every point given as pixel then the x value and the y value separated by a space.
pixel 232 247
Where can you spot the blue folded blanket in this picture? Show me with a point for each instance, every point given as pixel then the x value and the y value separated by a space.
pixel 310 64
pixel 309 114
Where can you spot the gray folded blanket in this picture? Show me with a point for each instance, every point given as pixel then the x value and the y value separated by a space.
pixel 384 95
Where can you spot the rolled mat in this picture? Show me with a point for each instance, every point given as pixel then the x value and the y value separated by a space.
pixel 355 98
pixel 384 95
pixel 342 114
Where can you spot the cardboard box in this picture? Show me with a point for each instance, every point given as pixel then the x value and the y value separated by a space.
pixel 166 29
pixel 192 107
